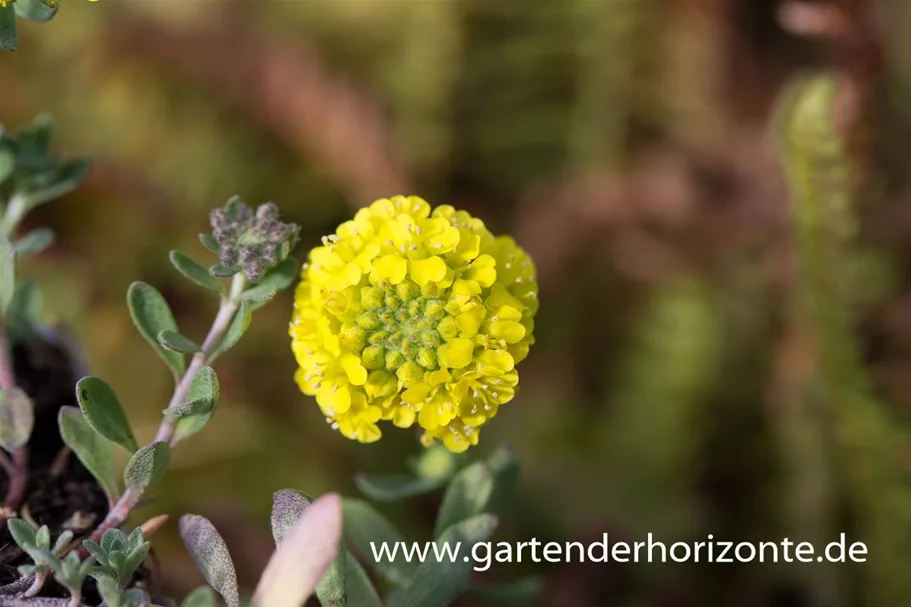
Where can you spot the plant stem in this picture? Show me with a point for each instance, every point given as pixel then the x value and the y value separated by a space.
pixel 38 584
pixel 17 468
pixel 206 355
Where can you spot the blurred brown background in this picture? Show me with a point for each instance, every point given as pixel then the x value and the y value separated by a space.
pixel 626 146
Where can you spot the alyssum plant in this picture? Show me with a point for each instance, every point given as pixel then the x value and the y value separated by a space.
pixel 406 314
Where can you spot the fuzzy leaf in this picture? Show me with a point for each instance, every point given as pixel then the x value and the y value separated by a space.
pixel 151 315
pixel 468 495
pixel 394 487
pixel 8 34
pixel 211 555
pixel 147 466
pixel 237 328
pixel 305 555
pixel 504 466
pixel 360 589
pixel 17 418
pixel 438 583
pixel 65 181
pixel 23 533
pixel 204 387
pixel 209 242
pixel 34 242
pixel 363 525
pixel 201 597
pixel 102 410
pixel 176 342
pixel 332 588
pixel 35 10
pixel 196 406
pixel 288 506
pixel 94 451
pixel 195 272
pixel 7 269
pixel 220 271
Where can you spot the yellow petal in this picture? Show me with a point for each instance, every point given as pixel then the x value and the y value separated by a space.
pixel 391 268
pixel 456 353
pixel 508 330
pixel 427 270
pixel 403 418
pixel 470 319
pixel 416 393
pixel 334 398
pixel 355 371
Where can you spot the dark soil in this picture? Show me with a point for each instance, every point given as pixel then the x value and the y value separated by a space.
pixel 61 493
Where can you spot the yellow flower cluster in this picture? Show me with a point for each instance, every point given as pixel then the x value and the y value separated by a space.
pixel 409 315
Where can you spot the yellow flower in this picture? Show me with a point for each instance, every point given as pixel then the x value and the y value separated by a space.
pixel 413 316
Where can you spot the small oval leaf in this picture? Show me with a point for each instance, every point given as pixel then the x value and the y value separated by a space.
pixel 194 272
pixel 151 315
pixel 220 271
pixel 7 266
pixel 102 410
pixel 467 495
pixel 394 487
pixel 94 451
pixel 36 10
pixel 17 418
pixel 147 466
pixel 204 387
pixel 176 342
pixel 211 555
pixel 364 526
pixel 236 329
pixel 34 242
pixel 296 568
pixel 201 597
pixel 288 506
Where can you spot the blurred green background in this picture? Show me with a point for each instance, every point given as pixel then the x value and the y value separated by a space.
pixel 625 144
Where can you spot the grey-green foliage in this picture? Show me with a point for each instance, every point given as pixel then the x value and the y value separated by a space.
pixel 72 572
pixel 37 544
pixel 118 555
pixel 115 596
pixel 17 418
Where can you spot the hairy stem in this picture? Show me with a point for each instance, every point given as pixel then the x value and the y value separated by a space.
pixel 17 467
pixel 38 584
pixel 207 354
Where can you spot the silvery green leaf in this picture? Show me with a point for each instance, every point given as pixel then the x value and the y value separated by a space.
pixel 43 537
pixel 176 342
pixel 203 387
pixel 23 312
pixel 17 418
pixel 277 279
pixel 468 495
pixel 7 269
pixel 8 34
pixel 151 315
pixel 196 406
pixel 236 329
pixel 65 181
pixel 34 242
pixel 195 272
pixel 438 583
pixel 288 506
pixel 257 295
pixel 504 466
pixel 94 451
pixel 147 466
pixel 102 410
pixel 62 540
pixel 201 597
pixel 360 589
pixel 305 555
pixel 365 525
pixel 23 533
pixel 211 555
pixel 332 588
pixel 220 271
pixel 36 10
pixel 395 487
pixel 209 242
